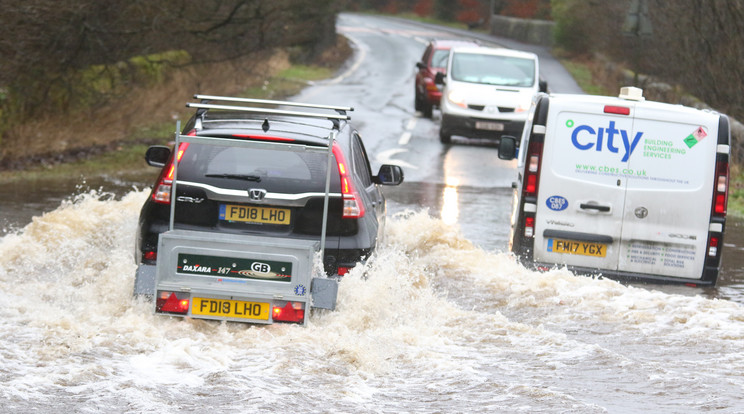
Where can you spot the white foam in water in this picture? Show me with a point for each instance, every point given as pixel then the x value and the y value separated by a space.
pixel 431 323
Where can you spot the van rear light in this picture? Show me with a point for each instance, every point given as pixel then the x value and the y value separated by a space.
pixel 532 169
pixel 618 110
pixel 720 193
pixel 291 312
pixel 172 302
pixel 531 184
pixel 353 206
pixel 713 246
pixel 150 255
pixel 162 191
pixel 529 227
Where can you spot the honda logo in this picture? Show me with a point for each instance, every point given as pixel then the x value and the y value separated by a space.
pixel 256 194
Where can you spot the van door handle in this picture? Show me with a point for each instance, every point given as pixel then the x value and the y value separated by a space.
pixel 585 206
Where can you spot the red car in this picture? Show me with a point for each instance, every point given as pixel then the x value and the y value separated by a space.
pixel 434 60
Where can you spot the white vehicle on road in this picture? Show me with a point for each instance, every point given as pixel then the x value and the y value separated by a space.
pixel 623 187
pixel 487 92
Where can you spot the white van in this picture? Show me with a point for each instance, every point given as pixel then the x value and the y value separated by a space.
pixel 622 187
pixel 487 92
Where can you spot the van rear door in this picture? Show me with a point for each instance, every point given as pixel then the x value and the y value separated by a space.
pixel 581 195
pixel 669 181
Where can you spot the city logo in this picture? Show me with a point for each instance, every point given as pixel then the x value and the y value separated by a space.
pixel 585 137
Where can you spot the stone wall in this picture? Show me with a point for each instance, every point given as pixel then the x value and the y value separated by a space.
pixel 538 32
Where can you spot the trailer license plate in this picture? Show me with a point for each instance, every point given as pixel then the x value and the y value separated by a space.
pixel 253 214
pixel 577 247
pixel 230 308
pixel 489 126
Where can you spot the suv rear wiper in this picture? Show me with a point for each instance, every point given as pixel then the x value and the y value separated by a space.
pixel 245 177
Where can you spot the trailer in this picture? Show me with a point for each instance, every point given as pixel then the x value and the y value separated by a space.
pixel 242 277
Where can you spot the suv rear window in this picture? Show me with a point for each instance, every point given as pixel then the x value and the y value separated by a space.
pixel 275 170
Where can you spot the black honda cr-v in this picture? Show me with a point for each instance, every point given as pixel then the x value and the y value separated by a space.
pixel 264 190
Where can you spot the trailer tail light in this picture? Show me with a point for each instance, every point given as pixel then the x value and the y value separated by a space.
pixel 353 206
pixel 162 191
pixel 290 312
pixel 532 169
pixel 342 270
pixel 172 302
pixel 720 192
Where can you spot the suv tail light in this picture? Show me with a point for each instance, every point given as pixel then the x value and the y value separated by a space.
pixel 353 206
pixel 162 191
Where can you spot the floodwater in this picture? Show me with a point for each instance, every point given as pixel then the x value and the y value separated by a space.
pixel 434 323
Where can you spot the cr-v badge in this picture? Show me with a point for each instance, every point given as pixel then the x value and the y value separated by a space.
pixel 641 212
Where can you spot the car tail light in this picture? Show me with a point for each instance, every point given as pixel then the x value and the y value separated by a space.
pixel 151 255
pixel 162 191
pixel 532 169
pixel 291 312
pixel 171 302
pixel 353 206
pixel 720 192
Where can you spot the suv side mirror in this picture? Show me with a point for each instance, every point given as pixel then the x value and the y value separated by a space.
pixel 543 86
pixel 389 175
pixel 420 65
pixel 507 148
pixel 157 155
pixel 439 78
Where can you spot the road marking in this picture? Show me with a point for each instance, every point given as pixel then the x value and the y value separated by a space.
pixel 386 157
pixel 360 57
pixel 406 136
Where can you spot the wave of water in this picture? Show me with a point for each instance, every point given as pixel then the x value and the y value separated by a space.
pixel 431 324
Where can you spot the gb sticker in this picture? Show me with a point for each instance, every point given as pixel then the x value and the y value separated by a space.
pixel 556 203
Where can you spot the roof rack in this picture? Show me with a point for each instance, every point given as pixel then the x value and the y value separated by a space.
pixel 269 102
pixel 341 110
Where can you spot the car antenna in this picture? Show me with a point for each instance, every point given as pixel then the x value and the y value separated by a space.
pixel 265 126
